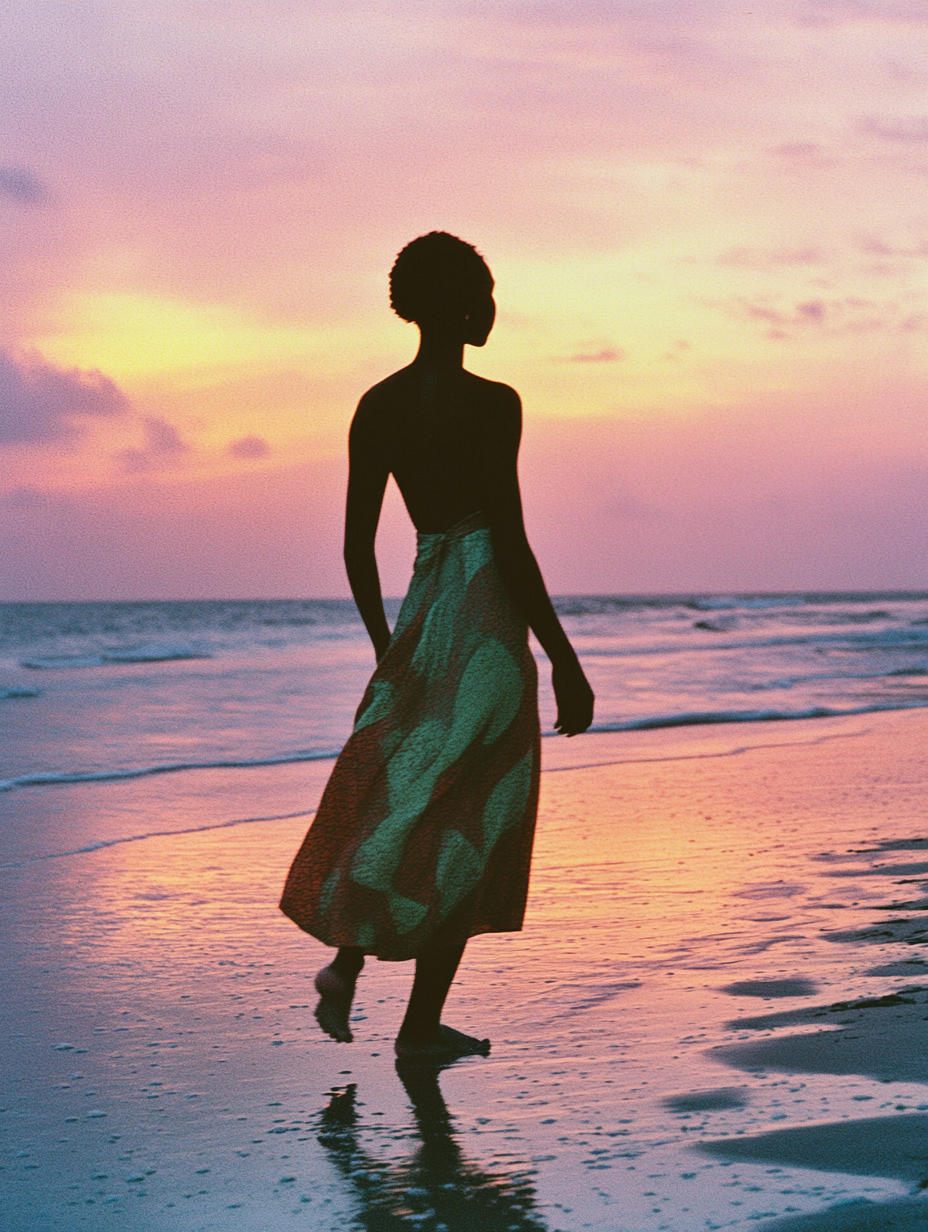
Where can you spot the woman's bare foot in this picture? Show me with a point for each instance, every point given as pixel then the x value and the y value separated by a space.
pixel 444 1046
pixel 336 993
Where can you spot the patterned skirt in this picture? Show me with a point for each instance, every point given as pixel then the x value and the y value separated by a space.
pixel 424 833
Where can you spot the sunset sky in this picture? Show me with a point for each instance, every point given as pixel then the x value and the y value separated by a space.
pixel 708 223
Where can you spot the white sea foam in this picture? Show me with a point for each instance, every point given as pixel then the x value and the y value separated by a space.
pixel 699 717
pixel 52 779
pixel 103 843
pixel 757 603
pixel 146 654
pixel 647 723
pixel 884 639
pixel 271 683
pixel 610 755
pixel 613 1018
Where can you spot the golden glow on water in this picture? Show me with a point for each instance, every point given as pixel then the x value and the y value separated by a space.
pixel 166 995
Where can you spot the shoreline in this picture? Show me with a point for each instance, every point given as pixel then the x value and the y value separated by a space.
pixel 298 785
pixel 709 911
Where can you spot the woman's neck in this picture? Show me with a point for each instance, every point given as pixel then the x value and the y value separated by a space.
pixel 439 350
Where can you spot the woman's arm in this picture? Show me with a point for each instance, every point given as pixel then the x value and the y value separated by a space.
pixel 367 482
pixel 518 568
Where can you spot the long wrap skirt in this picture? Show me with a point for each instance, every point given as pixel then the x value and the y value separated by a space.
pixel 424 833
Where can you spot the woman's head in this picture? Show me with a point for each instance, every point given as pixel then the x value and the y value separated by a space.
pixel 440 281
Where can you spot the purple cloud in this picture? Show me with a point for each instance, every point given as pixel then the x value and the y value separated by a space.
pixel 755 258
pixel 804 155
pixel 840 12
pixel 873 246
pixel 39 402
pixel 845 316
pixel 812 311
pixel 163 448
pixel 607 356
pixel 28 497
pixel 912 130
pixel 19 184
pixel 249 447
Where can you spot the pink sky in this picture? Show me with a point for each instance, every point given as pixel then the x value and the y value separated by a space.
pixel 707 221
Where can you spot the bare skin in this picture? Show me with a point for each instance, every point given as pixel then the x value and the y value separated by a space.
pixel 451 441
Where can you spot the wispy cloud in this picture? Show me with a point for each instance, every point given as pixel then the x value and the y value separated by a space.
pixel 648 170
pixel 912 130
pixel 759 258
pixel 23 186
pixel 608 355
pixel 849 315
pixel 164 448
pixel 39 402
pixel 805 156
pixel 836 12
pixel 249 448
pixel 876 246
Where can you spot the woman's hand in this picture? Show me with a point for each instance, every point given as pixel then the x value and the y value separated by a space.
pixel 574 697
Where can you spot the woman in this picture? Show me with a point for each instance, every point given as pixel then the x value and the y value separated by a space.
pixel 424 834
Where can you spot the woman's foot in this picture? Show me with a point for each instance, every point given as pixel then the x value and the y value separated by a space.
pixel 444 1046
pixel 336 993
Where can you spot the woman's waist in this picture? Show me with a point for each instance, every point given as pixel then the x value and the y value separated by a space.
pixel 471 524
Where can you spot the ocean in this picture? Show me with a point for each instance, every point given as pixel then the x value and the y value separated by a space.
pixel 713 901
pixel 96 691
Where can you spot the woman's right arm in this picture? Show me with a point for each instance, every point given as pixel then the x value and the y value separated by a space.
pixel 518 568
pixel 367 482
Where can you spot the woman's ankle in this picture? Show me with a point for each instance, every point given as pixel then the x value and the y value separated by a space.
pixel 348 962
pixel 418 1032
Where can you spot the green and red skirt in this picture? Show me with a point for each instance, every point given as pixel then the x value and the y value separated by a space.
pixel 424 833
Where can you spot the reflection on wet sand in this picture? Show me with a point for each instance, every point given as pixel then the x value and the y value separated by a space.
pixel 438 1183
pixel 692 974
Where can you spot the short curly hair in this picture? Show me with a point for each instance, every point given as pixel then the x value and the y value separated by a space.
pixel 437 275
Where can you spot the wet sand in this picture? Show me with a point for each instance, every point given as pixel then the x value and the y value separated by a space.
pixel 716 1016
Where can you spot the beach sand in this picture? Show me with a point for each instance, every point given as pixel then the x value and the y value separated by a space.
pixel 716 1016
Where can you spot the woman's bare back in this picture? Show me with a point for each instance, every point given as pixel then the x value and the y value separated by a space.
pixel 444 436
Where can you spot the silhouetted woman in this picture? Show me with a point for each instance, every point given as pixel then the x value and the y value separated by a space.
pixel 424 834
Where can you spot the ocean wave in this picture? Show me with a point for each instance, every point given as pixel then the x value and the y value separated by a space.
pixel 750 603
pixel 790 603
pixel 906 638
pixel 106 658
pixel 692 718
pixel 729 618
pixel 69 779
pixel 7 692
pixel 696 718
pixel 102 843
pixel 790 682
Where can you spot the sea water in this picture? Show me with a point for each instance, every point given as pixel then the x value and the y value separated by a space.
pixel 161 1066
pixel 97 691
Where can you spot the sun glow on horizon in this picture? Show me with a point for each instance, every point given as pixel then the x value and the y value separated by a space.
pixel 133 336
pixel 705 227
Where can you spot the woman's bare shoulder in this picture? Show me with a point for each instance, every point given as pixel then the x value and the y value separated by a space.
pixel 491 389
pixel 495 396
pixel 387 390
pixel 377 401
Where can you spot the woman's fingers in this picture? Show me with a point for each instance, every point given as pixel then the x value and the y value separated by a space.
pixel 573 721
pixel 574 700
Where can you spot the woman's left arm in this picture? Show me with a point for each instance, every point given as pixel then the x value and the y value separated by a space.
pixel 502 502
